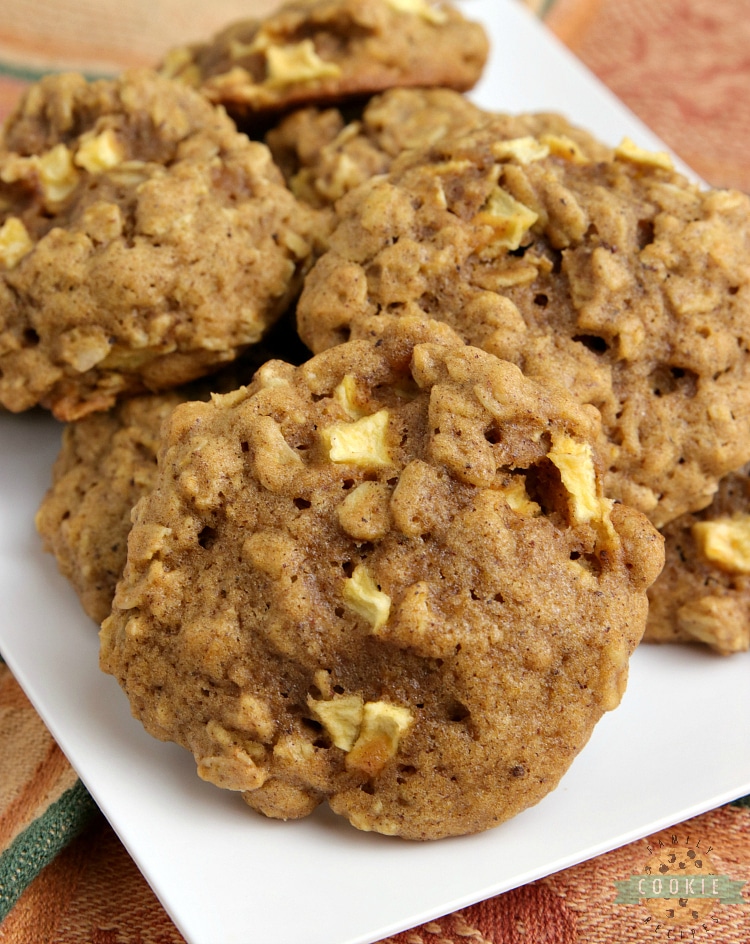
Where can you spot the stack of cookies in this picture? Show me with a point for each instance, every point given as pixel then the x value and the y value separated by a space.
pixel 380 408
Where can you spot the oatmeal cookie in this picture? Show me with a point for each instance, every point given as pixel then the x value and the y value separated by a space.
pixel 323 156
pixel 107 462
pixel 326 51
pixel 143 241
pixel 616 279
pixel 703 593
pixel 386 579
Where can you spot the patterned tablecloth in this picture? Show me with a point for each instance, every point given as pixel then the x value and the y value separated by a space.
pixel 684 67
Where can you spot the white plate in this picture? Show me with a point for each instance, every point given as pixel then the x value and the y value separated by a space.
pixel 678 745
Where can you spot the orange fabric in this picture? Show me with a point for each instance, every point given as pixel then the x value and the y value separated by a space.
pixel 680 65
pixel 577 906
pixel 33 770
pixel 93 894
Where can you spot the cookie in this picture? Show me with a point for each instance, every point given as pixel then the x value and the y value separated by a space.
pixel 323 156
pixel 326 51
pixel 703 593
pixel 107 462
pixel 143 242
pixel 616 279
pixel 333 591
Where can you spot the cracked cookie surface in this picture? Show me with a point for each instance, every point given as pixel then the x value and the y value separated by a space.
pixel 616 279
pixel 325 51
pixel 332 592
pixel 143 241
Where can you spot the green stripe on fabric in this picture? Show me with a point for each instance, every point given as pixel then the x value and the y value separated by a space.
pixel 743 801
pixel 26 74
pixel 40 842
pixel 22 73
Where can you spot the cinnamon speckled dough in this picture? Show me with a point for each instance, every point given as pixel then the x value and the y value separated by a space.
pixel 323 156
pixel 144 241
pixel 107 461
pixel 703 593
pixel 324 51
pixel 618 279
pixel 386 579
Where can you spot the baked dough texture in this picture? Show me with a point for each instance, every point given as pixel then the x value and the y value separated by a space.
pixel 326 51
pixel 703 593
pixel 323 155
pixel 107 462
pixel 387 579
pixel 324 152
pixel 616 279
pixel 143 241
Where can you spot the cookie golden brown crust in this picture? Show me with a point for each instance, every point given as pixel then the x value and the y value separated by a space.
pixel 143 242
pixel 615 278
pixel 386 579
pixel 325 51
pixel 323 156
pixel 107 462
pixel 703 593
